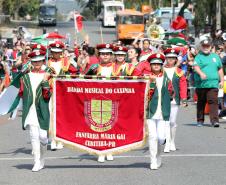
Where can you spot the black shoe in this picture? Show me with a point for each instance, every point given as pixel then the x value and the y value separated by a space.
pixel 215 124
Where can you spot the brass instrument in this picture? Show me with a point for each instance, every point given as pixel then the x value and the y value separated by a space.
pixel 155 32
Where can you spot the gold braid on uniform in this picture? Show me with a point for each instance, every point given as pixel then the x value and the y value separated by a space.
pixel 116 72
pixel 129 69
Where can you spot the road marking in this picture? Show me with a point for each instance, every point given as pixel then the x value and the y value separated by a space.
pixel 123 156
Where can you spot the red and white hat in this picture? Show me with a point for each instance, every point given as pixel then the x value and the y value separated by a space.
pixel 171 53
pixel 105 48
pixel 156 58
pixel 120 50
pixel 38 47
pixel 36 56
pixel 57 46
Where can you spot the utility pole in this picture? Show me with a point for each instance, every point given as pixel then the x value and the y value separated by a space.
pixel 173 3
pixel 97 8
pixel 218 14
pixel 160 3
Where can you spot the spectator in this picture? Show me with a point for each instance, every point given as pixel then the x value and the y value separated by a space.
pixel 208 73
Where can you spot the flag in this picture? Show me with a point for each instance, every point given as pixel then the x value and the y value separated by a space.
pixel 177 38
pixel 179 23
pixel 9 99
pixel 78 22
pixel 101 120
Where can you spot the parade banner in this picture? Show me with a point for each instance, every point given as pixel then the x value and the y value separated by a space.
pixel 100 116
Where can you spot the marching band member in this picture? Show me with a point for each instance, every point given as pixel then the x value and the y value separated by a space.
pixel 120 67
pixel 104 68
pixel 179 82
pixel 86 59
pixel 146 51
pixel 158 108
pixel 61 66
pixel 35 92
pixel 38 47
pixel 133 56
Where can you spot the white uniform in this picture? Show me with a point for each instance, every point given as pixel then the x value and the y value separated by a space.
pixel 156 129
pixel 105 71
pixel 171 131
pixel 36 133
pixel 38 136
pixel 57 66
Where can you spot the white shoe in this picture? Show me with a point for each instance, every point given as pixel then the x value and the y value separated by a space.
pixel 159 161
pixel 42 164
pixel 172 143
pixel 101 158
pixel 37 166
pixel 53 145
pixel 154 165
pixel 43 149
pixel 59 146
pixel 168 138
pixel 167 148
pixel 172 146
pixel 110 157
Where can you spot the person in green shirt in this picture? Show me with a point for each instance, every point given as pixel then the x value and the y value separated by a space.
pixel 208 79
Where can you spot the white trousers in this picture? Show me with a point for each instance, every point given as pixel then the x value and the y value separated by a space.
pixel 171 129
pixel 38 135
pixel 156 129
pixel 39 140
pixel 173 115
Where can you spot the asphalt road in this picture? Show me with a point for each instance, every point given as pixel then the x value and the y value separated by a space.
pixel 199 160
pixel 93 29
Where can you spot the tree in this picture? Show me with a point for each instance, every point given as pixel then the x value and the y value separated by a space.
pixel 16 8
pixel 205 15
pixel 223 13
pixel 135 4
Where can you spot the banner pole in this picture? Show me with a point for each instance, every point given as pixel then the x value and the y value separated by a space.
pixel 76 28
pixel 96 77
pixel 101 35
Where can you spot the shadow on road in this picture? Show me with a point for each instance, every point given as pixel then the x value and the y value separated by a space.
pixel 195 124
pixel 133 165
pixel 24 166
pixel 19 151
pixel 144 150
